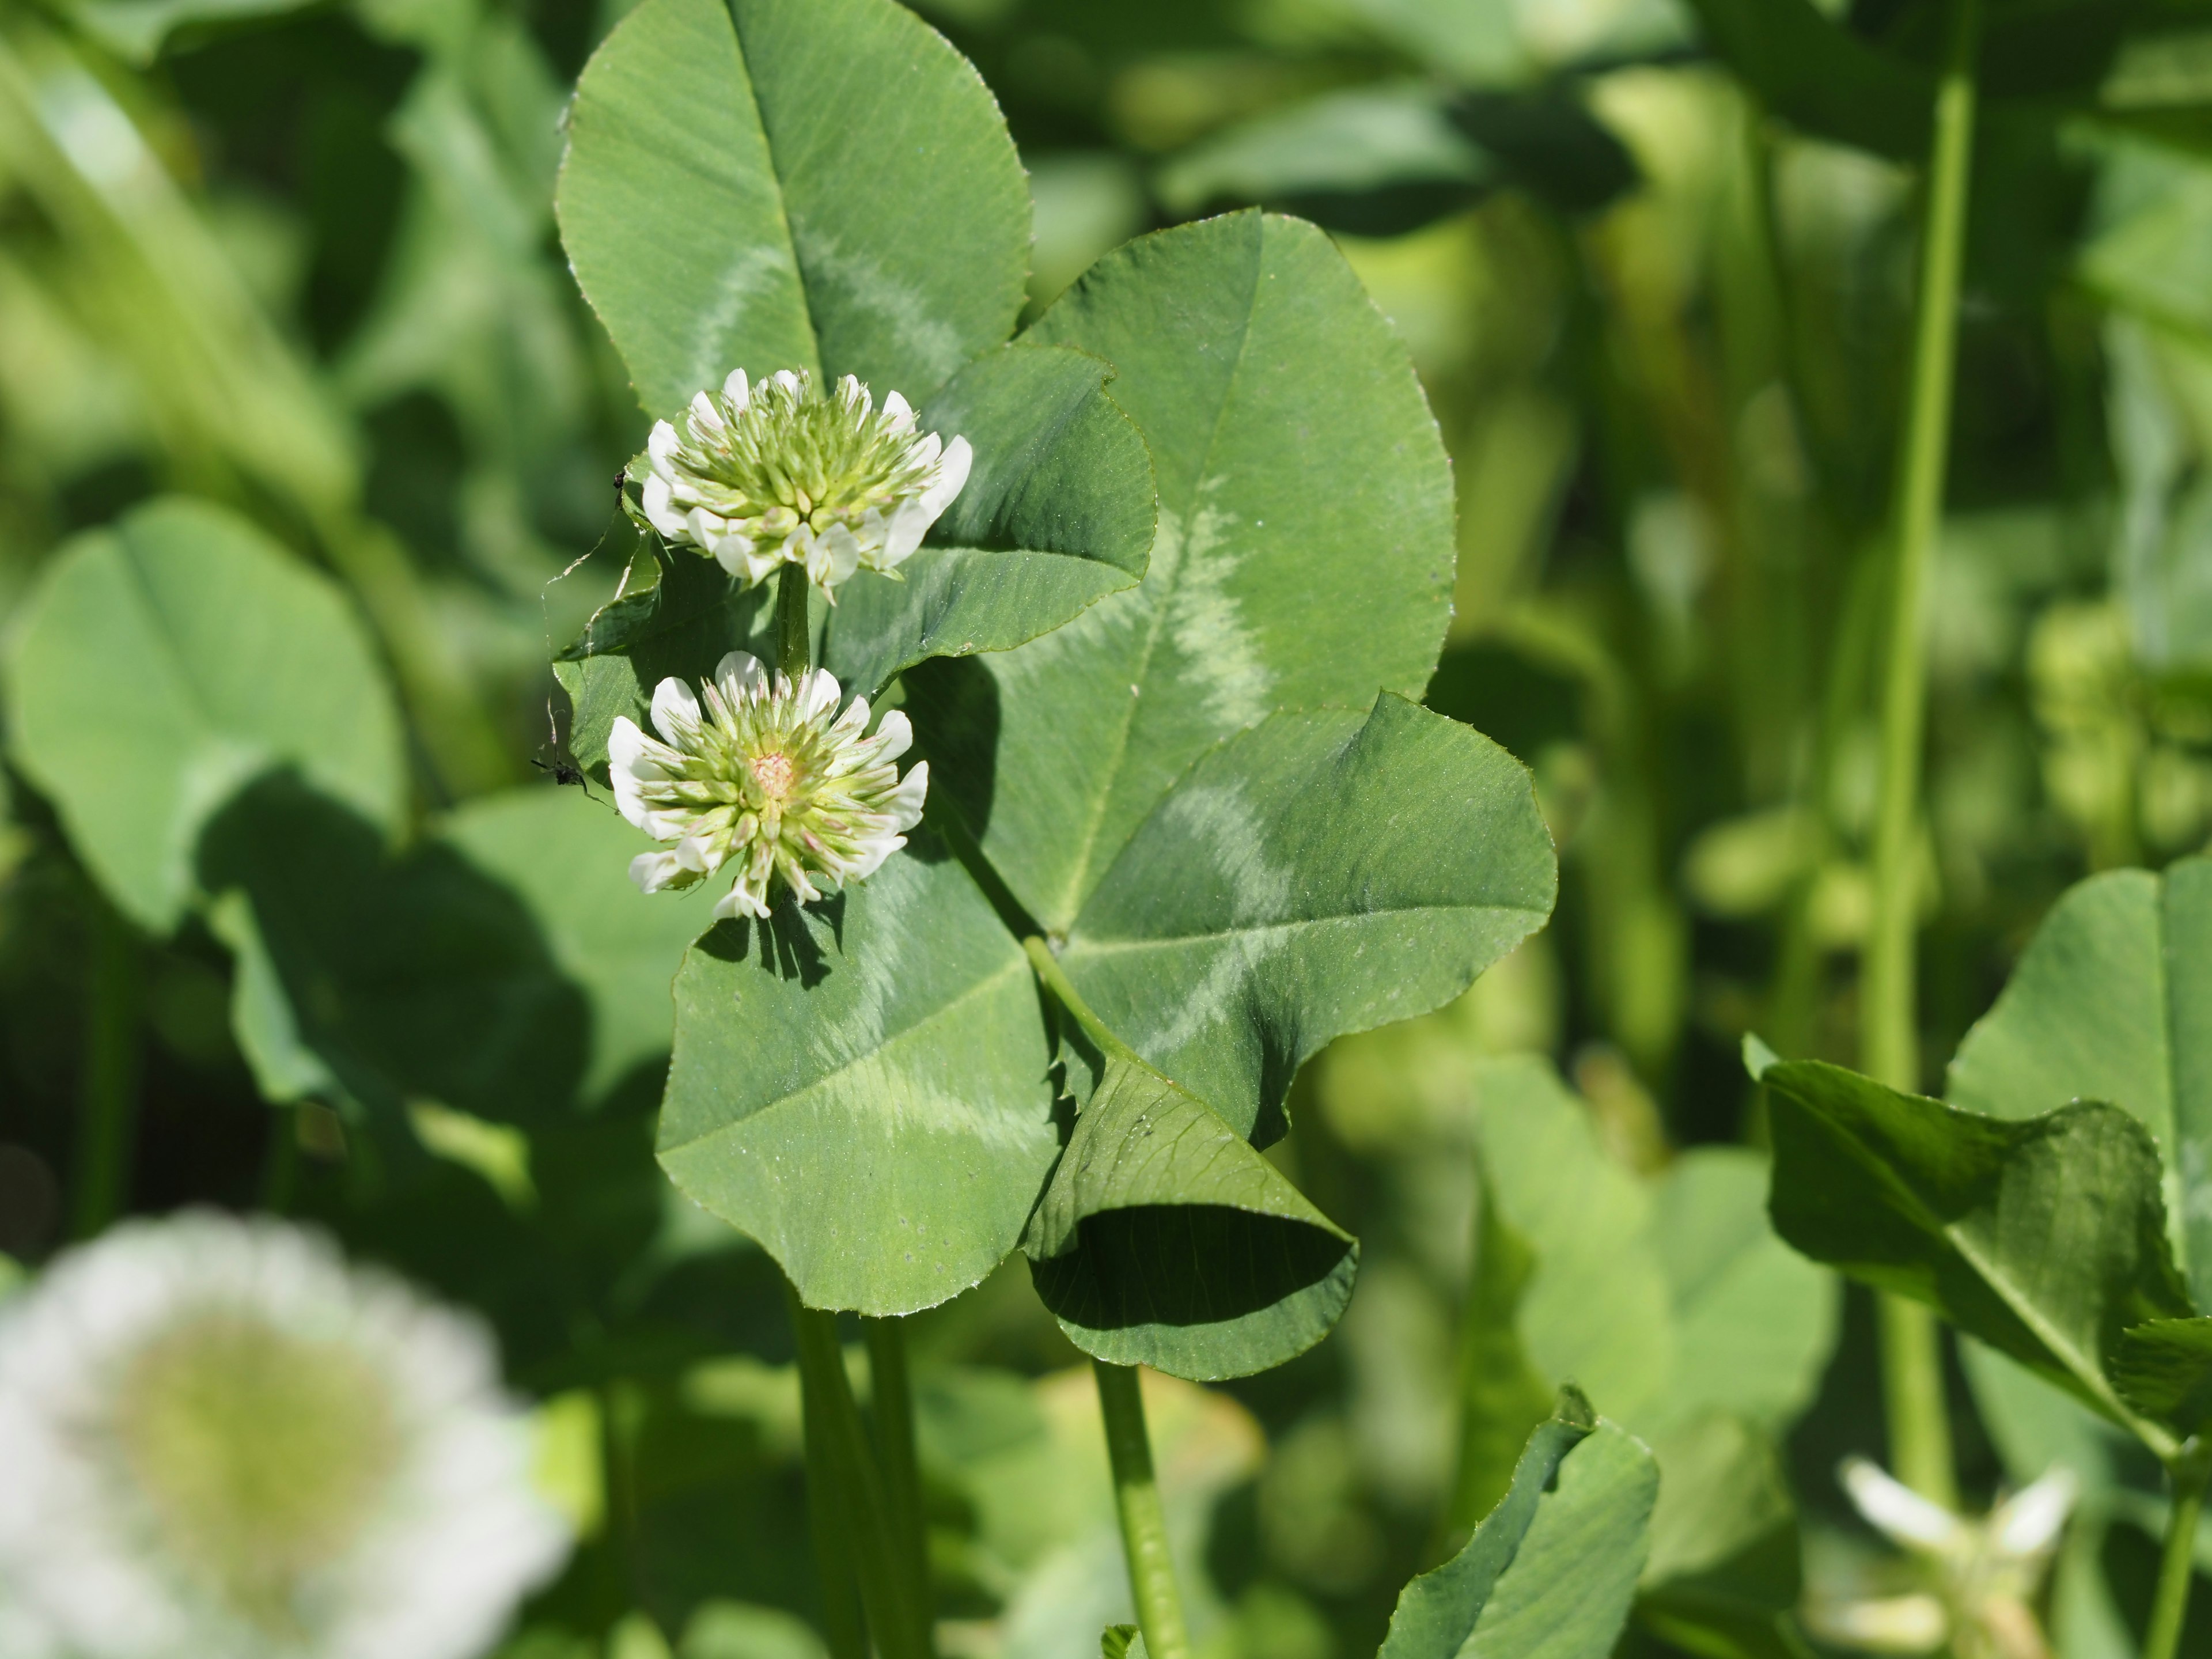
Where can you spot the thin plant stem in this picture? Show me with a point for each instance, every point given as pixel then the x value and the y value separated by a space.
pixel 792 643
pixel 107 1105
pixel 1144 1522
pixel 1129 1447
pixel 2169 1607
pixel 1919 1428
pixel 1048 969
pixel 890 1392
pixel 844 1482
pixel 843 1623
pixel 1913 1399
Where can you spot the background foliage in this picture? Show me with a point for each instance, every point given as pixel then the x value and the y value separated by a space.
pixel 282 281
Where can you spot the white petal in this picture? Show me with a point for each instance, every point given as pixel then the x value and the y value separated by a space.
pixel 660 511
pixel 951 475
pixel 676 713
pixel 653 871
pixel 738 390
pixel 741 900
pixel 894 737
pixel 848 726
pixel 662 444
pixel 1898 1510
pixel 834 555
pixel 694 855
pixel 898 414
pixel 737 676
pixel 705 417
pixel 818 692
pixel 1896 1624
pixel 910 522
pixel 630 762
pixel 787 379
pixel 2028 1524
pixel 734 553
pixel 905 804
pixel 871 855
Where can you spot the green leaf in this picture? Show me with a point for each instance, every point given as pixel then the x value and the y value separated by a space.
pixel 1305 555
pixel 165 664
pixel 1553 1568
pixel 136 28
pixel 1059 511
pixel 1671 1300
pixel 1875 87
pixel 682 624
pixel 1815 73
pixel 1598 1307
pixel 1293 886
pixel 1121 1642
pixel 506 967
pixel 820 184
pixel 1383 159
pixel 1345 144
pixel 1165 1240
pixel 1501 1391
pixel 2112 1001
pixel 405 978
pixel 2043 1238
pixel 1723 1569
pixel 1753 1322
pixel 568 861
pixel 2165 1366
pixel 861 1085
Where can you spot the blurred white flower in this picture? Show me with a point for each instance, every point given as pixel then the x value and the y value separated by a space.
pixel 1984 1573
pixel 770 777
pixel 781 473
pixel 221 1441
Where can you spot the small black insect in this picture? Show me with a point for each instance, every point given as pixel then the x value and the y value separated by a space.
pixel 563 765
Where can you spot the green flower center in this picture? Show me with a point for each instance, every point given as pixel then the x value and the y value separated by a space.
pixel 263 1455
pixel 796 455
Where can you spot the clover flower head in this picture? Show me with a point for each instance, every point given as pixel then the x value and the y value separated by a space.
pixel 759 476
pixel 1983 1573
pixel 769 777
pixel 219 1438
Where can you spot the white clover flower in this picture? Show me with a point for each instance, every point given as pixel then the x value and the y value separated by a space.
pixel 770 778
pixel 1985 1572
pixel 219 1441
pixel 762 477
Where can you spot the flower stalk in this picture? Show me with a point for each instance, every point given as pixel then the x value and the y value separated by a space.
pixel 2185 1475
pixel 1122 1405
pixel 1920 1442
pixel 108 1120
pixel 848 1491
pixel 1143 1521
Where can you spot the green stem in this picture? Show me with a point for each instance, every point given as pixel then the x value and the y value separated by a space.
pixel 1889 1040
pixel 792 641
pixel 1144 1523
pixel 843 1625
pixel 2169 1607
pixel 847 1488
pixel 1048 969
pixel 890 1392
pixel 1136 1494
pixel 1914 1402
pixel 107 1119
